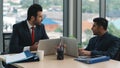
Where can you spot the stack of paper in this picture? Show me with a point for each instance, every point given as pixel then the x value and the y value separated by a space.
pixel 18 57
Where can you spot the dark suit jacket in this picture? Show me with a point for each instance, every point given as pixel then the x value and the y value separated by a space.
pixel 21 36
pixel 106 45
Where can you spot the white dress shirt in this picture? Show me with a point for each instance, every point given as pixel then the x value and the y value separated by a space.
pixel 29 26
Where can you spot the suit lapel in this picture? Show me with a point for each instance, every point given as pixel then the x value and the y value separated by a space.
pixel 27 35
pixel 36 33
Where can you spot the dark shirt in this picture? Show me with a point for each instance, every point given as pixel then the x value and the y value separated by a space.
pixel 107 45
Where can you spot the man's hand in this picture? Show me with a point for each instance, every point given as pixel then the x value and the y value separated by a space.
pixel 34 47
pixel 84 52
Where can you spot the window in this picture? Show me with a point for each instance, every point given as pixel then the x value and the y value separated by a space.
pixel 53 17
pixel 90 10
pixel 113 15
pixel 14 11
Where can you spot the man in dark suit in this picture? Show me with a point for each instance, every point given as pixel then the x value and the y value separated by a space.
pixel 26 34
pixel 103 43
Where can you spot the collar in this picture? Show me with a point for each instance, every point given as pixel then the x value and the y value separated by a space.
pixel 106 33
pixel 29 25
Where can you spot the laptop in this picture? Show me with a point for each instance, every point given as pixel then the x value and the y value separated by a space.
pixel 71 46
pixel 48 45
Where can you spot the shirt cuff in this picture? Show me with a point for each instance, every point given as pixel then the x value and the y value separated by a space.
pixel 26 48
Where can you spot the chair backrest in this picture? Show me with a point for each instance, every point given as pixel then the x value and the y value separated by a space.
pixel 118 56
pixel 6 40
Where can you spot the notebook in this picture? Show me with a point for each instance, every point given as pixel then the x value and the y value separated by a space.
pixel 93 59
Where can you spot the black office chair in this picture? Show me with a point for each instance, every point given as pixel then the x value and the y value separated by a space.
pixel 118 55
pixel 6 40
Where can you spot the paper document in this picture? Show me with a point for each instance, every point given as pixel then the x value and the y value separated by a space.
pixel 18 57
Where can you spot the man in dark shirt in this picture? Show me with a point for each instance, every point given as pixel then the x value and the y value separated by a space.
pixel 103 43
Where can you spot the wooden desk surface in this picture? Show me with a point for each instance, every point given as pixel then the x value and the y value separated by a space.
pixel 68 62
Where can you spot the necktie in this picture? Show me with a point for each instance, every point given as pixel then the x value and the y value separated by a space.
pixel 33 35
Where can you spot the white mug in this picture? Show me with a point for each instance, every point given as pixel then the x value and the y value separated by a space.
pixel 40 53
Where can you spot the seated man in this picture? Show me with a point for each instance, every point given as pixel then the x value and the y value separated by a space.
pixel 26 34
pixel 103 43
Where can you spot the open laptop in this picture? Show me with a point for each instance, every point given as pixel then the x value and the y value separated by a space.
pixel 71 46
pixel 49 45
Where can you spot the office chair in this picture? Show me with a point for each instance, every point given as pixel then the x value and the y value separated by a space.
pixel 6 39
pixel 118 55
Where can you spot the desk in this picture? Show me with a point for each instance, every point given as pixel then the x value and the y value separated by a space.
pixel 68 62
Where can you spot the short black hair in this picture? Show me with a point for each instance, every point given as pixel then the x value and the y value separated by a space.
pixel 101 22
pixel 32 10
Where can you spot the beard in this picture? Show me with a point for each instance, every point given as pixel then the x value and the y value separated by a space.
pixel 94 33
pixel 37 23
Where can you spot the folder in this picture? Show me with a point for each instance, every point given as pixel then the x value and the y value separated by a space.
pixel 26 55
pixel 91 60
